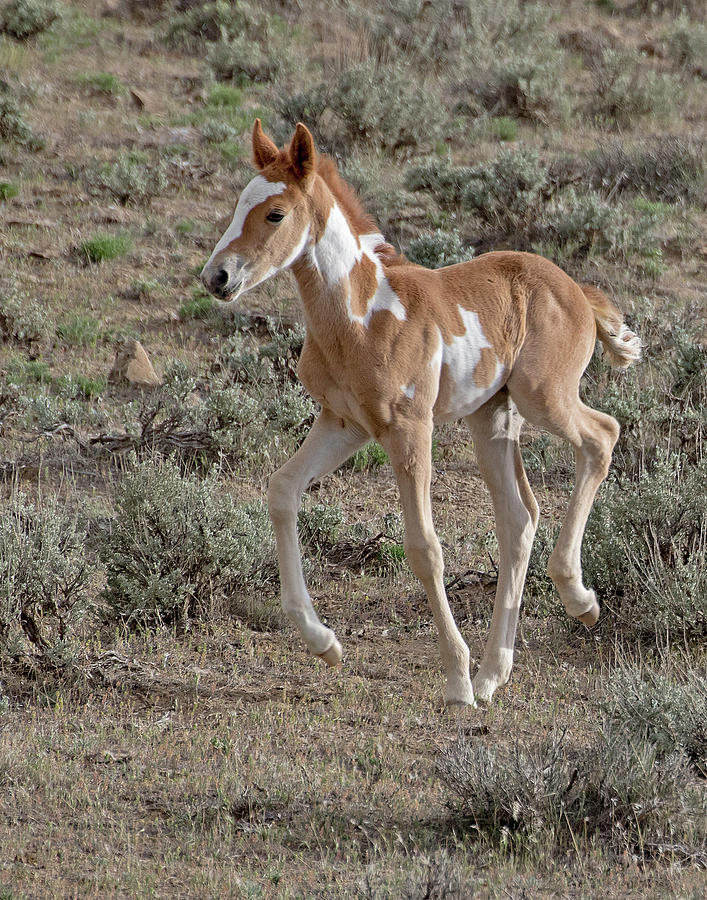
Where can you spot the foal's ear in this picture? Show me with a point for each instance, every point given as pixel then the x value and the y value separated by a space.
pixel 264 150
pixel 302 153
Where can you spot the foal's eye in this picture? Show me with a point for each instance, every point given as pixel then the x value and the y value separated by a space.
pixel 275 216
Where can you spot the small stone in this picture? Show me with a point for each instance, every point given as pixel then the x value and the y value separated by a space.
pixel 132 364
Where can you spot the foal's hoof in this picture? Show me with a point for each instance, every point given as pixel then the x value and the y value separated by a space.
pixel 591 616
pixel 332 656
pixel 457 706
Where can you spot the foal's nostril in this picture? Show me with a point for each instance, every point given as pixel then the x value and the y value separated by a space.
pixel 220 279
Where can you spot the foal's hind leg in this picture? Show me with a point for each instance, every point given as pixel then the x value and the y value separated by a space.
pixel 495 428
pixel 593 435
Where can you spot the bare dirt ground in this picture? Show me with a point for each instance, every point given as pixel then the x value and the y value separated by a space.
pixel 225 761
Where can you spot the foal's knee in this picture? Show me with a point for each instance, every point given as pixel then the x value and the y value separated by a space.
pixel 282 499
pixel 424 554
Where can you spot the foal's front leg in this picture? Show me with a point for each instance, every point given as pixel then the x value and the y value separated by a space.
pixel 410 451
pixel 329 443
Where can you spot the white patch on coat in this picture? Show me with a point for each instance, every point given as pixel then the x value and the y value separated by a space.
pixel 297 251
pixel 337 252
pixel 436 362
pixel 408 390
pixel 384 298
pixel 255 192
pixel 462 355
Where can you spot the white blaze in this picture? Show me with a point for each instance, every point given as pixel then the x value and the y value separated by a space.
pixel 255 192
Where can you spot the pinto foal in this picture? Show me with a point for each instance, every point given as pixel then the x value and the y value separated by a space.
pixel 391 349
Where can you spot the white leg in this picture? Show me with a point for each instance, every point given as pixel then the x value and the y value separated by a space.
pixel 495 429
pixel 410 455
pixel 329 443
pixel 593 436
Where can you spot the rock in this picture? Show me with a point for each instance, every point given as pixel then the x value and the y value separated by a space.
pixel 151 102
pixel 133 365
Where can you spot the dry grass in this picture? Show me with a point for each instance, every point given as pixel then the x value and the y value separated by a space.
pixel 224 761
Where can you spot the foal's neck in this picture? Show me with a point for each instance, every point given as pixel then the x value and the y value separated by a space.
pixel 333 292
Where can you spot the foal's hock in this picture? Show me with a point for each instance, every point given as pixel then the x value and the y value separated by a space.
pixel 391 349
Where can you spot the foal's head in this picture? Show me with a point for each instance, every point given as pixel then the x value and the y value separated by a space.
pixel 272 224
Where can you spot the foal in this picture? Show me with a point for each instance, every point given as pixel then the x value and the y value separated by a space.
pixel 391 349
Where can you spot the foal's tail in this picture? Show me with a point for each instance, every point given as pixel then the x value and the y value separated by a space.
pixel 622 346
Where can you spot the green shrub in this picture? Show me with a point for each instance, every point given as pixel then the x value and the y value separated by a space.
pixel 180 549
pixel 199 306
pixel 102 247
pixel 624 90
pixel 511 62
pixel 527 84
pixel 28 371
pixel 425 878
pixel 244 360
pixel 318 525
pixel 688 372
pixel 243 61
pixel 46 413
pixel 291 411
pixel 651 707
pixel 22 319
pixel 586 224
pixel 45 580
pixel 427 36
pixel 508 190
pixel 214 22
pixel 8 190
pixel 128 180
pixel 23 19
pixel 504 129
pixel 307 106
pixel 80 387
pixel 231 153
pixel 439 248
pixel 381 105
pixel 225 96
pixel 687 42
pixel 80 329
pixel 145 288
pixel 215 132
pixel 386 107
pixel 370 456
pixel 670 169
pixel 689 8
pixel 618 790
pixel 13 127
pixel 102 83
pixel 446 182
pixel 185 226
pixel 645 549
pixel 225 424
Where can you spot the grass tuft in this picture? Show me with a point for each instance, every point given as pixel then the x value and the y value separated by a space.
pixel 103 247
pixel 8 190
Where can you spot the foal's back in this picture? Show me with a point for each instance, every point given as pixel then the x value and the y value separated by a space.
pixel 488 313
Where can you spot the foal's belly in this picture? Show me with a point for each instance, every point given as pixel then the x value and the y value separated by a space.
pixel 470 373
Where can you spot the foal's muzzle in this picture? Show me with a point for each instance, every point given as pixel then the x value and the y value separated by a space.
pixel 220 282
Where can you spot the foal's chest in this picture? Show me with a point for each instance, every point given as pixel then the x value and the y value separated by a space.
pixel 330 384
